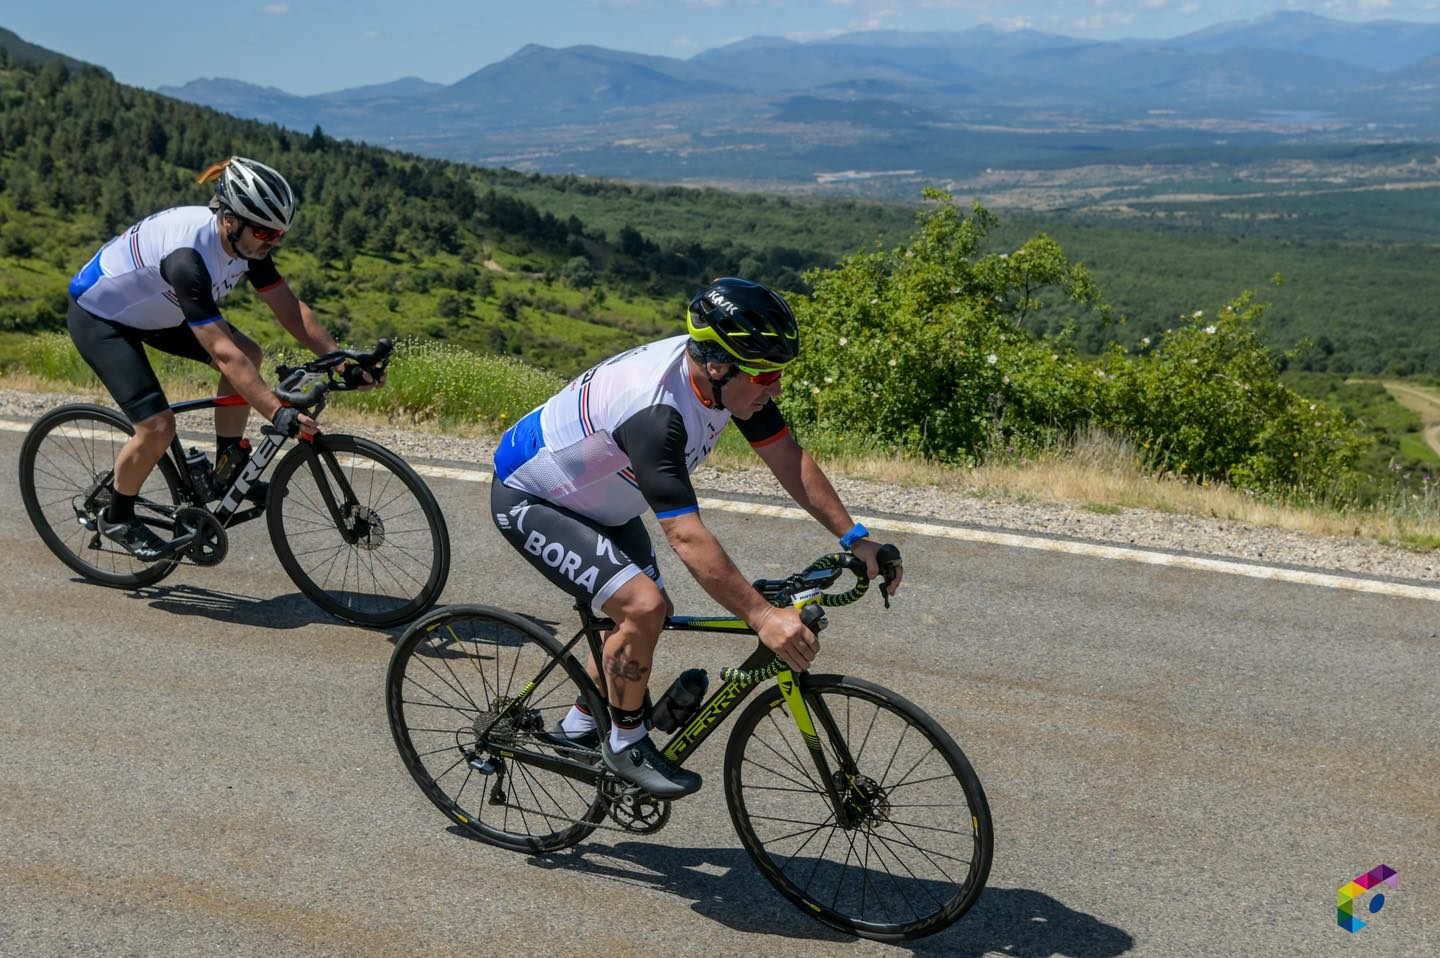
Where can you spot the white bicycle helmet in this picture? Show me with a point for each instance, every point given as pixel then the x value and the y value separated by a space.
pixel 254 192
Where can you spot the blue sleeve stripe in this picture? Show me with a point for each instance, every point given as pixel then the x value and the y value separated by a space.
pixel 206 322
pixel 672 513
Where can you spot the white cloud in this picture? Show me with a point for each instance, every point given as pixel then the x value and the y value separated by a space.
pixel 1373 6
pixel 1190 9
pixel 371 35
pixel 276 8
pixel 683 43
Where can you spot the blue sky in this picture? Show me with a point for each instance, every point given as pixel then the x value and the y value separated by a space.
pixel 311 46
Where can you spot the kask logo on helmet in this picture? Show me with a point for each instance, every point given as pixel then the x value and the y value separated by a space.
pixel 721 302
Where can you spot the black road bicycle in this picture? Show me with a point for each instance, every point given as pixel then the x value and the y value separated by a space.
pixel 352 524
pixel 855 804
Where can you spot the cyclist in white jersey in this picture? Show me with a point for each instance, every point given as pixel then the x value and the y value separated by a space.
pixel 574 476
pixel 158 283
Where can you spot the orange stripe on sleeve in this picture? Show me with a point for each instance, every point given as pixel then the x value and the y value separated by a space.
pixel 775 438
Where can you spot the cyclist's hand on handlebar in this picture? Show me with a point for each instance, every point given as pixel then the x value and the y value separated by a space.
pixel 783 633
pixel 362 378
pixel 290 421
pixel 868 551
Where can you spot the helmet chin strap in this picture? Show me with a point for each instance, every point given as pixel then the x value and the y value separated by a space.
pixel 717 384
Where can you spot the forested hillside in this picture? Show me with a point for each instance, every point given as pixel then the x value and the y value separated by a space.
pixel 384 242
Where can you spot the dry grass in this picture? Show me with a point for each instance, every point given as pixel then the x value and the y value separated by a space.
pixel 1100 472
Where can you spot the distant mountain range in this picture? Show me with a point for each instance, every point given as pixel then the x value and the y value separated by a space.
pixel 862 107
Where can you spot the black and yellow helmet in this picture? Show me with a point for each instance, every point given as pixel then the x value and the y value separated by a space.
pixel 750 322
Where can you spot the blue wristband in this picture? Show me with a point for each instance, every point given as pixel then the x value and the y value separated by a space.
pixel 853 536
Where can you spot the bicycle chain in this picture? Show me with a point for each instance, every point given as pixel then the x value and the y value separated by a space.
pixel 609 800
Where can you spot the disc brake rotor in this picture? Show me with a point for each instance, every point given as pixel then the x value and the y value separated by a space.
pixel 367 525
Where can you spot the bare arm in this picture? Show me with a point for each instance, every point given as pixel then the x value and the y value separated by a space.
pixel 802 478
pixel 780 629
pixel 243 375
pixel 298 319
pixel 237 367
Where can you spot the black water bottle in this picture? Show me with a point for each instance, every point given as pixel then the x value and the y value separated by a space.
pixel 680 701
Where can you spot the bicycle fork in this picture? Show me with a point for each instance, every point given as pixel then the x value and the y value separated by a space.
pixel 792 688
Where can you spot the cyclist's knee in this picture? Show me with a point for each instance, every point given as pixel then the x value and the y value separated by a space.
pixel 157 430
pixel 641 603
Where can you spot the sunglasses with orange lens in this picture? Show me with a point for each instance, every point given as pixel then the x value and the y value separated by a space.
pixel 265 234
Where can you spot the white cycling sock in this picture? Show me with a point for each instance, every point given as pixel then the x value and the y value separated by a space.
pixel 622 738
pixel 577 723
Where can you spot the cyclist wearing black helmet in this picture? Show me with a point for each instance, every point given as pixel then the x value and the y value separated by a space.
pixel 157 283
pixel 575 475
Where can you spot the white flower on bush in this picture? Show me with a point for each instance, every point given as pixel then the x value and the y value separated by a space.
pixel 843 340
pixel 1193 361
pixel 814 390
pixel 1197 314
pixel 1210 330
pixel 992 359
pixel 1145 341
pixel 829 380
pixel 874 301
pixel 1005 380
pixel 892 362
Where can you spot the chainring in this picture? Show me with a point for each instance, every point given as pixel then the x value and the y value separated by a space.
pixel 211 544
pixel 635 810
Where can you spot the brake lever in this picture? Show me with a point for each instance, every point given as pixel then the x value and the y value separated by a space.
pixel 888 558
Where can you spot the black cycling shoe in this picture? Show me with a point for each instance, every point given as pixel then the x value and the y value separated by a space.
pixel 557 737
pixel 134 536
pixel 643 764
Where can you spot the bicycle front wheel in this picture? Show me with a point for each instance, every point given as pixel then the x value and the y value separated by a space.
pixel 471 688
pixel 358 530
pixel 905 851
pixel 66 465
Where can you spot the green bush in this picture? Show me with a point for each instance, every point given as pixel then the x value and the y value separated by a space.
pixel 925 349
pixel 1208 402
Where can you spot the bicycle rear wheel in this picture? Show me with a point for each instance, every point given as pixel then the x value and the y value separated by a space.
pixel 909 850
pixel 386 557
pixel 451 695
pixel 66 465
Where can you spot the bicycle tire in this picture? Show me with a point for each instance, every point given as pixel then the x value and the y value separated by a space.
pixel 436 711
pixel 768 768
pixel 68 450
pixel 301 526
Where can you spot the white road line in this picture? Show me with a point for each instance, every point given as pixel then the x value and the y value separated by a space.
pixel 1011 539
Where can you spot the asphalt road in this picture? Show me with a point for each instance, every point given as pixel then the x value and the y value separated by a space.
pixel 1178 763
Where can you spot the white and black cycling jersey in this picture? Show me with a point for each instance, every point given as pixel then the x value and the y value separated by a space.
pixel 167 269
pixel 623 437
